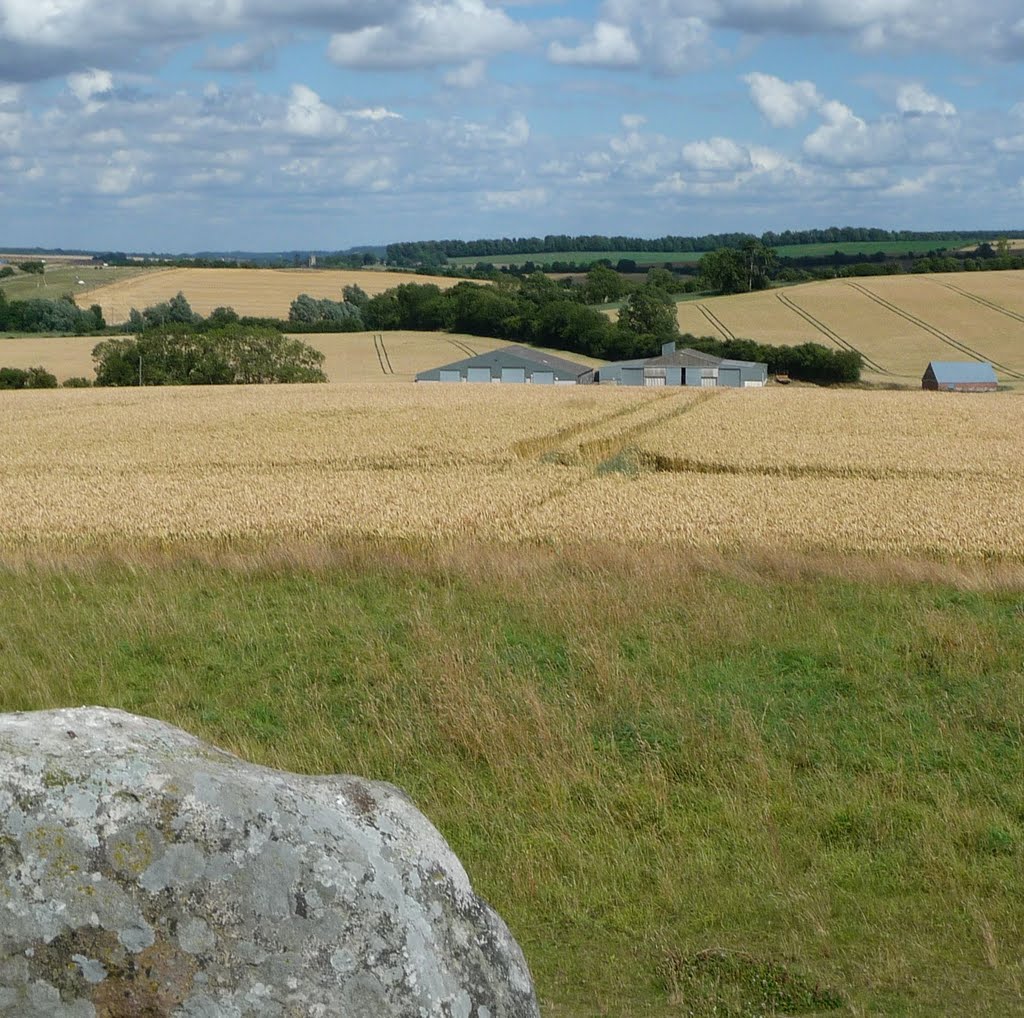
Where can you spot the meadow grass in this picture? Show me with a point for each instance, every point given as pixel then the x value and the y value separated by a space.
pixel 60 279
pixel 692 785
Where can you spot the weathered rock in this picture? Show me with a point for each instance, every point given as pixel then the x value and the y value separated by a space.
pixel 143 872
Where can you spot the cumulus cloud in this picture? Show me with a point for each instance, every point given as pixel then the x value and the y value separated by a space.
pixel 606 45
pixel 429 33
pixel 673 36
pixel 659 35
pixel 845 139
pixel 915 100
pixel 716 154
pixel 310 116
pixel 782 103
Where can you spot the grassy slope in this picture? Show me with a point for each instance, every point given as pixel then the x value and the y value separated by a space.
pixel 637 760
pixel 61 279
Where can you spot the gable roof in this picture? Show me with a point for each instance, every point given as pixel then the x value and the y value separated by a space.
pixel 950 372
pixel 513 356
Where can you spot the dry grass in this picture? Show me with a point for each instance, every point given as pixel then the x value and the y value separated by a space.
pixel 258 292
pixel 926 318
pixel 795 471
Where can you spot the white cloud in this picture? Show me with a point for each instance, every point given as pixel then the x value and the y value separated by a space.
pixel 309 115
pixel 523 198
pixel 783 103
pixel 716 154
pixel 256 54
pixel 373 113
pixel 430 32
pixel 845 139
pixel 660 35
pixel 915 100
pixel 471 75
pixel 86 85
pixel 607 45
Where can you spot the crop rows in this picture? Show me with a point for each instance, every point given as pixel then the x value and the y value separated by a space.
pixel 896 472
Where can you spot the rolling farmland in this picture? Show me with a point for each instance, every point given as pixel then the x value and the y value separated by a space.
pixel 348 356
pixel 59 279
pixel 257 292
pixel 818 472
pixel 899 323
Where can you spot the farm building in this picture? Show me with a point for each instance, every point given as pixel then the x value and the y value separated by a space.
pixel 681 367
pixel 960 376
pixel 509 364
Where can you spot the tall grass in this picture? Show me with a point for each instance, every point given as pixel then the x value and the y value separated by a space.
pixel 690 786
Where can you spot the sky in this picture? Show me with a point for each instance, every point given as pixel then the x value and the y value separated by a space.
pixel 272 125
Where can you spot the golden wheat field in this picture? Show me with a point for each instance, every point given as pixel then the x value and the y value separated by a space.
pixel 899 323
pixel 257 292
pixel 884 473
pixel 348 356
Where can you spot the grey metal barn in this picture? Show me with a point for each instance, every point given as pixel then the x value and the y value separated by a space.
pixel 510 365
pixel 681 367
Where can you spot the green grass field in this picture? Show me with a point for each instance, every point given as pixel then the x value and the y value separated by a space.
pixel 660 257
pixel 58 280
pixel 583 257
pixel 869 247
pixel 725 789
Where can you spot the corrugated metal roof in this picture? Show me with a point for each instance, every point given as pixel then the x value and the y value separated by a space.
pixel 948 372
pixel 511 357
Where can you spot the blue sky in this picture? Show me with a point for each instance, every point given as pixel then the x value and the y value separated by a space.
pixel 183 125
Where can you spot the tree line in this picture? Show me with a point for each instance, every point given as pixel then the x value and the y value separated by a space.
pixel 436 252
pixel 39 314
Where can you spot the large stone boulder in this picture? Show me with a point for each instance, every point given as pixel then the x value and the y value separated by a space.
pixel 145 873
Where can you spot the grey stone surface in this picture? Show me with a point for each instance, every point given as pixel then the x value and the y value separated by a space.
pixel 143 872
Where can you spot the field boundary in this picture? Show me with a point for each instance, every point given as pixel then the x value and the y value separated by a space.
pixel 829 332
pixel 944 337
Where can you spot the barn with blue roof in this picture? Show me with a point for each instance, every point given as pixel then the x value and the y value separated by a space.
pixel 960 376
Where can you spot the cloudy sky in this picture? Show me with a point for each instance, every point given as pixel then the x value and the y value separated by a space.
pixel 181 125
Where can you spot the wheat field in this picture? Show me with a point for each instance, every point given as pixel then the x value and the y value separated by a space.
pixel 348 356
pixel 257 292
pixel 899 323
pixel 879 473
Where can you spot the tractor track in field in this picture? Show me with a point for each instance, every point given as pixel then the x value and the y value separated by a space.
pixel 715 321
pixel 829 332
pixel 544 445
pixel 984 301
pixel 943 337
pixel 382 354
pixel 462 347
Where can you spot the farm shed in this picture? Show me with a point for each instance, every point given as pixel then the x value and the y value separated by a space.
pixel 513 364
pixel 960 376
pixel 681 367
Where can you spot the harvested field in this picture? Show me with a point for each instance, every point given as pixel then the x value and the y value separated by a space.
pixel 818 472
pixel 257 292
pixel 899 323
